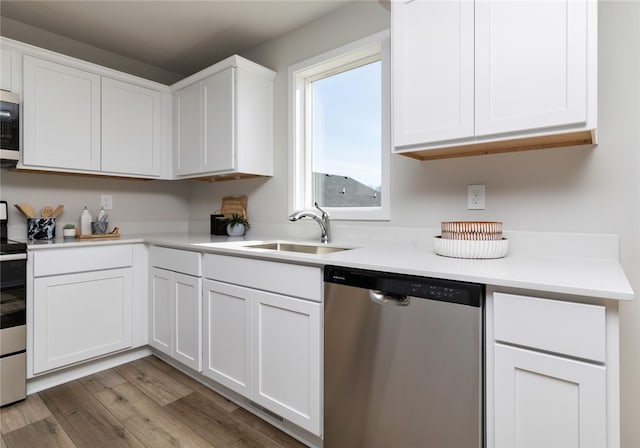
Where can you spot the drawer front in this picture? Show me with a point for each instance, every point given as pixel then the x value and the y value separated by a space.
pixel 283 278
pixel 182 261
pixel 567 328
pixel 81 259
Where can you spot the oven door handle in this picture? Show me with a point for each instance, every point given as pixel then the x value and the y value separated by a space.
pixel 12 257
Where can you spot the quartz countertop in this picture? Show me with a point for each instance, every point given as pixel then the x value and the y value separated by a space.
pixel 582 276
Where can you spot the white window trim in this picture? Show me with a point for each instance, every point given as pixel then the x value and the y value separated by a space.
pixel 337 59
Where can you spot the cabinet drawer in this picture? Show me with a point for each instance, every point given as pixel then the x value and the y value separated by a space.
pixel 81 259
pixel 289 279
pixel 568 328
pixel 176 260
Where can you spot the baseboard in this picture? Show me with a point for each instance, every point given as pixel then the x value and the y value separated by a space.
pixel 48 380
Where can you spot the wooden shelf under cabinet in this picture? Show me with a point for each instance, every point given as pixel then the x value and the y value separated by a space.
pixel 581 138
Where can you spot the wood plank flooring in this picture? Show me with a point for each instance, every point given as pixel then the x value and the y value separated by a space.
pixel 145 403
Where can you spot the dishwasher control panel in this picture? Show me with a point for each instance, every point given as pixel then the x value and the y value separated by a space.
pixel 465 293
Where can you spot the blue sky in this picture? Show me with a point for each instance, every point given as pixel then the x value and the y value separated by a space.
pixel 347 124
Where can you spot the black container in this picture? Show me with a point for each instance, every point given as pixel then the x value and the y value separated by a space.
pixel 41 228
pixel 218 225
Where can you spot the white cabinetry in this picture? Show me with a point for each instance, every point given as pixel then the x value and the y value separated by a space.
pixel 82 305
pixel 262 343
pixel 551 373
pixel 61 116
pixel 432 71
pixel 227 335
pixel 131 131
pixel 492 76
pixel 544 400
pixel 223 121
pixel 187 110
pixel 175 308
pixel 76 120
pixel 10 78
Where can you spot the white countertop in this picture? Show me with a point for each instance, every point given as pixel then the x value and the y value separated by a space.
pixel 582 276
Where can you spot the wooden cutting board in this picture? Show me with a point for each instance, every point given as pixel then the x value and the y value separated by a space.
pixel 233 204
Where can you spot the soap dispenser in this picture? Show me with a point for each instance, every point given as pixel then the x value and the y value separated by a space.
pixel 85 222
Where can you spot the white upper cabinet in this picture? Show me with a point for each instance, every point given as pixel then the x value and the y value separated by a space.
pixel 130 128
pixel 82 118
pixel 531 65
pixel 223 121
pixel 187 110
pixel 204 122
pixel 79 117
pixel 217 92
pixel 433 71
pixel 61 116
pixel 492 76
pixel 9 69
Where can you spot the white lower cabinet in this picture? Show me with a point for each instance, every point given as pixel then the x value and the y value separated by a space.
pixel 548 401
pixel 286 354
pixel 175 322
pixel 552 368
pixel 227 335
pixel 81 316
pixel 78 316
pixel 263 344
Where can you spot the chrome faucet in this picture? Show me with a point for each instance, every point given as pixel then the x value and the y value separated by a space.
pixel 321 218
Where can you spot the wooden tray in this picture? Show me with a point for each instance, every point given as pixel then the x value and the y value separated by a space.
pixel 115 233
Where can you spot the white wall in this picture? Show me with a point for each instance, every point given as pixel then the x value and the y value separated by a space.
pixel 138 206
pixel 569 190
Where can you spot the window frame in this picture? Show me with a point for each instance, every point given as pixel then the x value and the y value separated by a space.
pixel 367 50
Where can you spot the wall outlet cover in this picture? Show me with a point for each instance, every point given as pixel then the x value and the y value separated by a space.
pixel 475 197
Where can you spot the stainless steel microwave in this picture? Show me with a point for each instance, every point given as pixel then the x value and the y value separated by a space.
pixel 9 128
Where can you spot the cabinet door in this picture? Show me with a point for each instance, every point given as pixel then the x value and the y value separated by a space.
pixel 548 401
pixel 61 116
pixel 433 54
pixel 531 64
pixel 188 130
pixel 80 316
pixel 217 91
pixel 227 335
pixel 9 70
pixel 287 357
pixel 187 319
pixel 130 129
pixel 160 310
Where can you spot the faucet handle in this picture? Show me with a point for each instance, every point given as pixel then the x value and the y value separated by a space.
pixel 324 213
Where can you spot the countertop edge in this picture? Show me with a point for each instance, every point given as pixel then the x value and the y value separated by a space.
pixel 361 258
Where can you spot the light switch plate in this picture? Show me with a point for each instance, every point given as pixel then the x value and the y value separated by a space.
pixel 106 201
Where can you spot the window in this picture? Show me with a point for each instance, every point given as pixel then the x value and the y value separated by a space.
pixel 339 124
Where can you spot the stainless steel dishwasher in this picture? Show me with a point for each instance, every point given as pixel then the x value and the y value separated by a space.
pixel 403 361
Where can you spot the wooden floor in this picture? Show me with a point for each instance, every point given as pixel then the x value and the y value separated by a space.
pixel 145 403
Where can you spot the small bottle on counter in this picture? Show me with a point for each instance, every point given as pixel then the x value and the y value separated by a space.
pixel 85 222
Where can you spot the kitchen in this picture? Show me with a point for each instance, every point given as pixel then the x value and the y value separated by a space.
pixel 557 191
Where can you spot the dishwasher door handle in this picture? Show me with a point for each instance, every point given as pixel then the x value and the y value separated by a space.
pixel 384 298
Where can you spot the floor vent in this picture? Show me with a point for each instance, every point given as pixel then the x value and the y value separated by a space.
pixel 266 411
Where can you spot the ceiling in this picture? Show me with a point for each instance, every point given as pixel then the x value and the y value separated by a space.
pixel 180 36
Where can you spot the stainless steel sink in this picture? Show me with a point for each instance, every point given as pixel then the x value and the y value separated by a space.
pixel 297 247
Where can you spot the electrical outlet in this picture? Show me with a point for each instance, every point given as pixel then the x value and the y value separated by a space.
pixel 475 197
pixel 106 201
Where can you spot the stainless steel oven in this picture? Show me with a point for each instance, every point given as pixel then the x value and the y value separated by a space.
pixel 13 316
